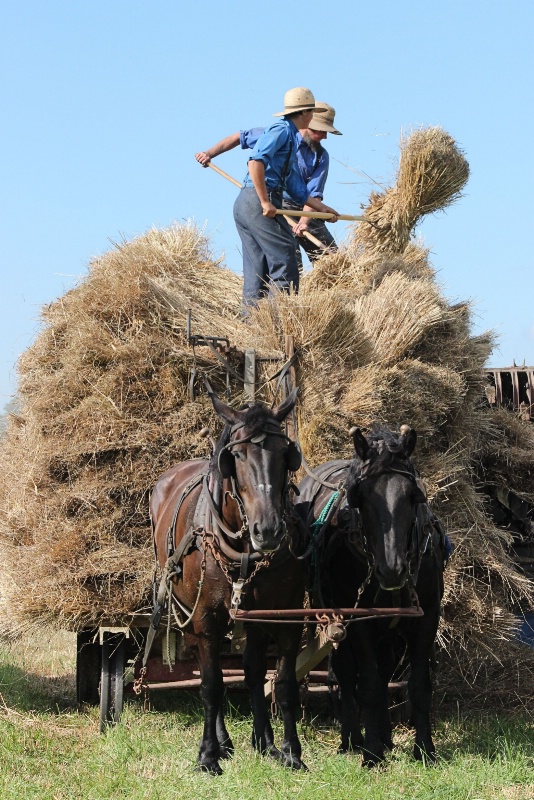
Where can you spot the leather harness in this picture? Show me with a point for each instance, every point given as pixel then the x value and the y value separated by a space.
pixel 208 531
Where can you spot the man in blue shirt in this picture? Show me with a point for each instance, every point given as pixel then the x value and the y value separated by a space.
pixel 269 253
pixel 312 163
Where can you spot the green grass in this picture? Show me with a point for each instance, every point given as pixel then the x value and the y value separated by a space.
pixel 48 749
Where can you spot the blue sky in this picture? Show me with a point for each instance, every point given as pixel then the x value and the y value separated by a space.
pixel 105 102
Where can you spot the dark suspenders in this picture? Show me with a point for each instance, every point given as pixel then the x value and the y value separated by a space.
pixel 281 183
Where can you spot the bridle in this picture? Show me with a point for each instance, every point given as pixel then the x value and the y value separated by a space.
pixel 226 467
pixel 206 534
pixel 414 550
pixel 255 438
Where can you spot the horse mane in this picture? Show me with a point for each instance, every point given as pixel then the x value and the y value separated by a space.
pixel 386 447
pixel 256 416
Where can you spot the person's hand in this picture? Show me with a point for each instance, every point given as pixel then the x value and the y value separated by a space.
pixel 268 209
pixel 301 226
pixel 203 159
pixel 329 210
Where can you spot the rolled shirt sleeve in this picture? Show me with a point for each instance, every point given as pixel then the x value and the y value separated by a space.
pixel 248 139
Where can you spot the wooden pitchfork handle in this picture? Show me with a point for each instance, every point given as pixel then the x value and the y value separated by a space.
pixel 285 212
pixel 319 215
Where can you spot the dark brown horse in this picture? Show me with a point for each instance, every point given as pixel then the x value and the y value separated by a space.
pixel 383 548
pixel 224 538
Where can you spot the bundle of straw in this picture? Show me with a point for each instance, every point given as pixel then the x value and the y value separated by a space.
pixel 432 174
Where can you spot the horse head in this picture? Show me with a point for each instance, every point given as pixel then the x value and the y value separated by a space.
pixel 383 485
pixel 258 457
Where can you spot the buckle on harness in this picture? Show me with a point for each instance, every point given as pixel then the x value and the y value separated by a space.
pixel 238 636
pixel 237 592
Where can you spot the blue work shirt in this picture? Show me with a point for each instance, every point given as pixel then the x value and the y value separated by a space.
pixel 313 167
pixel 272 148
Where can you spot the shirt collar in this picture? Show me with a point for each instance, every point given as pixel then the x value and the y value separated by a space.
pixel 292 125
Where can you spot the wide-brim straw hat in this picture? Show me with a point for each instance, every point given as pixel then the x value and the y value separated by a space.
pixel 324 121
pixel 298 99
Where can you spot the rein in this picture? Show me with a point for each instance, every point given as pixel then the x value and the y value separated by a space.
pixel 316 478
pixel 217 517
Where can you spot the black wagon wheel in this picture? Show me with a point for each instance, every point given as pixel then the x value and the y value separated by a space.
pixel 111 681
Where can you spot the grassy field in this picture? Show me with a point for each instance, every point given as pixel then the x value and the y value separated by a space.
pixel 49 749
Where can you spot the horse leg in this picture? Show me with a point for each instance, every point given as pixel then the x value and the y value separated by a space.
pixel 287 693
pixel 385 660
pixel 226 747
pixel 255 668
pixel 344 667
pixel 212 693
pixel 420 692
pixel 373 697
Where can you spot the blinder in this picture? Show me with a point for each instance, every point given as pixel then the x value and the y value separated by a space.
pixel 419 491
pixel 294 457
pixel 226 463
pixel 226 460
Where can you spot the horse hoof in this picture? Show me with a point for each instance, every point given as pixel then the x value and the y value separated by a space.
pixel 428 757
pixel 211 767
pixel 349 747
pixel 292 762
pixel 372 761
pixel 226 751
pixel 272 752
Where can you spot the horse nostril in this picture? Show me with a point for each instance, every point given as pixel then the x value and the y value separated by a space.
pixel 390 578
pixel 267 537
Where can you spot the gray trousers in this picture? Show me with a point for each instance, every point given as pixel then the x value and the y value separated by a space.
pixel 317 227
pixel 269 254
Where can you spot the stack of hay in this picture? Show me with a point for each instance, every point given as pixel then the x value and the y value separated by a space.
pixel 104 410
pixel 105 406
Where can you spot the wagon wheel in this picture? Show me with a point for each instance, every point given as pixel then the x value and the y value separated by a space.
pixel 111 682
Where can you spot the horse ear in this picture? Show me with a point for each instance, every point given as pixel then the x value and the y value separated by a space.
pixel 410 440
pixel 227 413
pixel 281 411
pixel 360 443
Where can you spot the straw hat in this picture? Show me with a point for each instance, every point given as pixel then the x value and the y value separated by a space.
pixel 299 99
pixel 324 121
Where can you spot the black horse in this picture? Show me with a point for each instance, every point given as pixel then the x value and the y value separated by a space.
pixel 225 538
pixel 382 548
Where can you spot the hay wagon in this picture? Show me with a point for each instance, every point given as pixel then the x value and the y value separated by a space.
pixel 109 658
pixel 104 400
